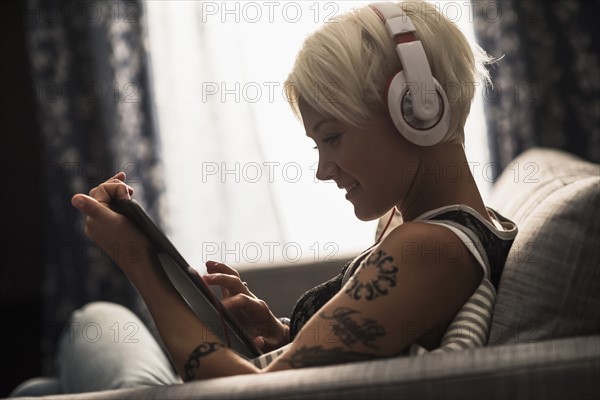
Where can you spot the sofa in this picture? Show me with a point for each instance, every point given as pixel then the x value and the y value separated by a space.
pixel 544 341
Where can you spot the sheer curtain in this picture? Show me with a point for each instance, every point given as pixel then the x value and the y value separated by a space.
pixel 240 172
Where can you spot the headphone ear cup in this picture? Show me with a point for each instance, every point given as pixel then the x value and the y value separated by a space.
pixel 419 132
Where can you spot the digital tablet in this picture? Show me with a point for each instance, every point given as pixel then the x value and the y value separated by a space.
pixel 188 282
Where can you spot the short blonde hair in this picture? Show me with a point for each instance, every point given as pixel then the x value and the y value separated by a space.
pixel 343 69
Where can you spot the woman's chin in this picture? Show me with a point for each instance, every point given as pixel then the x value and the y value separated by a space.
pixel 367 215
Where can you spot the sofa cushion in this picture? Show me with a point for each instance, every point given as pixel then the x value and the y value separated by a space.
pixel 550 287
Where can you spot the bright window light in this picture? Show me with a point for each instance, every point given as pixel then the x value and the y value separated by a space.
pixel 240 171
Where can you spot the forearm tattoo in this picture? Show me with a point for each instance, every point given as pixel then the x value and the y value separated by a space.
pixel 375 278
pixel 317 355
pixel 193 361
pixel 349 329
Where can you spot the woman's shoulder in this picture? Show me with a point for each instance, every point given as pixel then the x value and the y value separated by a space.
pixel 486 219
pixel 457 236
pixel 417 233
pixel 428 242
pixel 430 249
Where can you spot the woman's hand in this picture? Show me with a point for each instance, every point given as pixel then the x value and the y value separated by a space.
pixel 114 233
pixel 252 313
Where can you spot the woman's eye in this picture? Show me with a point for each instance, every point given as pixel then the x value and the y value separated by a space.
pixel 331 139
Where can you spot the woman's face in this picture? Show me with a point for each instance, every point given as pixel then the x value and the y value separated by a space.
pixel 374 165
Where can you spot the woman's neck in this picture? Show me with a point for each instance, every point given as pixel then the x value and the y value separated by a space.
pixel 443 178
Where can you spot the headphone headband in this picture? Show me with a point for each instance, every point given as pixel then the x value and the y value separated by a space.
pixel 413 58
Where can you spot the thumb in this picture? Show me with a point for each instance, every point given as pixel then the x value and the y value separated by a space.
pixel 90 206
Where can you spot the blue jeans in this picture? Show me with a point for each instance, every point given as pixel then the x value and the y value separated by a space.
pixel 104 346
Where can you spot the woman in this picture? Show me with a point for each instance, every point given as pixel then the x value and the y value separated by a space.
pixel 392 137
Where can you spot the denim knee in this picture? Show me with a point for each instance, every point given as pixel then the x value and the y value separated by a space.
pixel 106 346
pixel 99 310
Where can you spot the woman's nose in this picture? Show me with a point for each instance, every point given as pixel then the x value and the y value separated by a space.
pixel 326 171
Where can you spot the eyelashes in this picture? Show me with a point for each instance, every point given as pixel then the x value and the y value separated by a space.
pixel 330 140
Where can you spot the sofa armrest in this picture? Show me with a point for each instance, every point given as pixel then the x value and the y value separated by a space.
pixel 564 368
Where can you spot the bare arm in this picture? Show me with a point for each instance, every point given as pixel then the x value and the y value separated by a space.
pixel 410 285
pixel 406 288
pixel 194 350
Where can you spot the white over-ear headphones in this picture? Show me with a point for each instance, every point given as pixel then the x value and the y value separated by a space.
pixel 417 102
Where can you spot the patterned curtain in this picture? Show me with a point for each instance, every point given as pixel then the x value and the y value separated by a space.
pixel 91 84
pixel 547 82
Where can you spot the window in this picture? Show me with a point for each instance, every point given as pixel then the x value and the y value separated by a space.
pixel 239 169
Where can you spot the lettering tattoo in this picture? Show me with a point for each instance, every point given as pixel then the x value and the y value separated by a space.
pixel 350 331
pixel 317 355
pixel 193 361
pixel 375 278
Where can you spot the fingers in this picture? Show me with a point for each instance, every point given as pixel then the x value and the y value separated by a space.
pixel 257 319
pixel 226 277
pixel 114 187
pixel 231 283
pixel 90 207
pixel 217 267
pixel 108 191
pixel 119 176
pixel 249 304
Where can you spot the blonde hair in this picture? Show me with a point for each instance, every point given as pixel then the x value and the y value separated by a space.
pixel 343 69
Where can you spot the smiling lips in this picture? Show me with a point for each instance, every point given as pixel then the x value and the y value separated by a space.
pixel 350 188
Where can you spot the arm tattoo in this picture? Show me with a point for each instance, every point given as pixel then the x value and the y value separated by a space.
pixel 375 278
pixel 350 331
pixel 317 355
pixel 193 361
